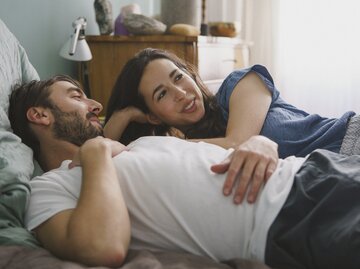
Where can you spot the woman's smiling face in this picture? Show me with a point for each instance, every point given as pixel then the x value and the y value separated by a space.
pixel 171 95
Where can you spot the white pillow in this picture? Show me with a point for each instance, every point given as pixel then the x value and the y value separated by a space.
pixel 16 162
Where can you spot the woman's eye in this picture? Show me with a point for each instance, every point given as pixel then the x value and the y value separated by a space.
pixel 178 77
pixel 161 95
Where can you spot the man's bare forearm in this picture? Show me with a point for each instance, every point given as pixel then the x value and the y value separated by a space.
pixel 97 231
pixel 100 223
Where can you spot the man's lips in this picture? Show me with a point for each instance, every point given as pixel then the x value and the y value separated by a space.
pixel 92 117
pixel 95 120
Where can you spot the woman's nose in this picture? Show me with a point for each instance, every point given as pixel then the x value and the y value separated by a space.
pixel 179 94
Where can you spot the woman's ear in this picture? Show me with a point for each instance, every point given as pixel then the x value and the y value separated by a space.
pixel 151 118
pixel 38 115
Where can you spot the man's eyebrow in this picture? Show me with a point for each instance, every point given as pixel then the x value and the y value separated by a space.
pixel 159 87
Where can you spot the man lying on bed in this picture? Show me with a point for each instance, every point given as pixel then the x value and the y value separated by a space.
pixel 307 215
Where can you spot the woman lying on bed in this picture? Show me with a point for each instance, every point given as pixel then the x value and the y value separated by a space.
pixel 307 215
pixel 133 113
pixel 157 91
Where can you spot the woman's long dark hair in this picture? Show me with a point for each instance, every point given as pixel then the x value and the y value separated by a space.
pixel 126 93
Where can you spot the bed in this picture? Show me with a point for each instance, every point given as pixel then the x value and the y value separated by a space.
pixel 18 248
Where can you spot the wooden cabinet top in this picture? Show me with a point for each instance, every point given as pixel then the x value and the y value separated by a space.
pixel 164 39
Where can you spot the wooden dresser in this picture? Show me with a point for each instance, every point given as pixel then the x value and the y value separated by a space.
pixel 215 58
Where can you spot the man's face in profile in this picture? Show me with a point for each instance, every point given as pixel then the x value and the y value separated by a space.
pixel 71 127
pixel 75 117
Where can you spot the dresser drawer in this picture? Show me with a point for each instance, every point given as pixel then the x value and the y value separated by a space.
pixel 216 61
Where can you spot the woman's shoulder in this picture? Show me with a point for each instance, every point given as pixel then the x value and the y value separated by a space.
pixel 235 76
pixel 257 68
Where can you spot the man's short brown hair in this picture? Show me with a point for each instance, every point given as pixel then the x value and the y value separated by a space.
pixel 25 96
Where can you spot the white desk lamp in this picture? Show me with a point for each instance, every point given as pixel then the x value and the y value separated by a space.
pixel 77 49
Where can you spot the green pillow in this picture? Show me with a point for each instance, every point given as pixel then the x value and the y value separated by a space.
pixel 16 159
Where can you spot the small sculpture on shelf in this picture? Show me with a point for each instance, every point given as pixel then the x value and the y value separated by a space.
pixel 204 29
pixel 227 29
pixel 103 13
pixel 120 28
pixel 184 30
pixel 138 24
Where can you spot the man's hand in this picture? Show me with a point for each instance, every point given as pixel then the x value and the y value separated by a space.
pixel 115 147
pixel 249 166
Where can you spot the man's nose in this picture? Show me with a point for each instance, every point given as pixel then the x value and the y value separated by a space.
pixel 95 106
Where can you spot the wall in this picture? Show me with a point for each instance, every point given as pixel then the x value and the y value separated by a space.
pixel 42 26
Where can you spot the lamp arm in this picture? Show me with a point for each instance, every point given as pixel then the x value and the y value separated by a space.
pixel 74 39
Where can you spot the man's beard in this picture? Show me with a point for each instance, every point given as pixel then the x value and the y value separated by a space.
pixel 71 127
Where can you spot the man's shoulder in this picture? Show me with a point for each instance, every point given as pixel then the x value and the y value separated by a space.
pixel 57 175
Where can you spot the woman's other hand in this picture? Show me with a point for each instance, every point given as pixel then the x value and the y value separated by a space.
pixel 120 119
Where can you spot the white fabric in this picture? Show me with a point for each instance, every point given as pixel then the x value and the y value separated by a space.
pixel 259 29
pixel 270 203
pixel 316 55
pixel 311 51
pixel 175 201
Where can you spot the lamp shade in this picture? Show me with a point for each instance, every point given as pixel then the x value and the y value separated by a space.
pixel 81 53
pixel 76 48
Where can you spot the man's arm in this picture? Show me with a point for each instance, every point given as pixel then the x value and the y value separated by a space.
pixel 97 231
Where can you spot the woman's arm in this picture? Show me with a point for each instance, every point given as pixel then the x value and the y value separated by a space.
pixel 255 157
pixel 97 231
pixel 120 119
pixel 249 104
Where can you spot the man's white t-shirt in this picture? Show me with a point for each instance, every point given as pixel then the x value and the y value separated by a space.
pixel 174 200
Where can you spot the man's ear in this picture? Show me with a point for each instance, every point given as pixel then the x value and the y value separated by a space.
pixel 153 119
pixel 38 115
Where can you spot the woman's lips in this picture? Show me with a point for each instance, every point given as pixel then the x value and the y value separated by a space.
pixel 190 107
